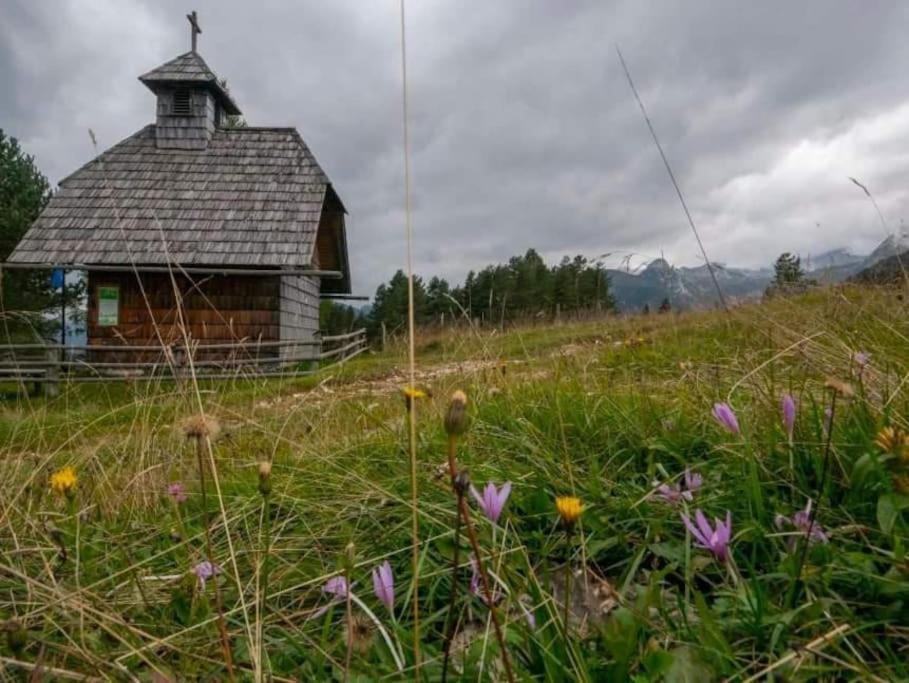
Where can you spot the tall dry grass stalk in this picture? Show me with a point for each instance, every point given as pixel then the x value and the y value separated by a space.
pixel 412 415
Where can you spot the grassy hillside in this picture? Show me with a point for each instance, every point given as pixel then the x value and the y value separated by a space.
pixel 98 579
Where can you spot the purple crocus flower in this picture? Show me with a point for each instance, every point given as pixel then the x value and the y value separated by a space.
pixel 493 500
pixel 336 586
pixel 726 417
pixel 801 521
pixel 788 408
pixel 693 481
pixel 206 570
pixel 674 493
pixel 861 359
pixel 177 492
pixel 383 585
pixel 716 540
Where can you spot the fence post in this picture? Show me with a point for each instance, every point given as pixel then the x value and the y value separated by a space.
pixel 52 385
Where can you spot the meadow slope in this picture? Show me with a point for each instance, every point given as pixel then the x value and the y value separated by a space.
pixel 102 579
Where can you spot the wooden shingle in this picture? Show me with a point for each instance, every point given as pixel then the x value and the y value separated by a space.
pixel 252 197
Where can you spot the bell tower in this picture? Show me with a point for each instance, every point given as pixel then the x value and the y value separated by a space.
pixel 191 100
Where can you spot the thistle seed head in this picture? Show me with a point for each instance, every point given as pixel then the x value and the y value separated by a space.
pixel 456 418
pixel 201 426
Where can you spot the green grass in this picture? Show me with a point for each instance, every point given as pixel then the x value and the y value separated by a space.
pixel 598 409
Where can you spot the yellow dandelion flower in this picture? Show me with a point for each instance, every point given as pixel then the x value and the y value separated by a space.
pixel 888 439
pixel 569 508
pixel 893 440
pixel 413 392
pixel 63 480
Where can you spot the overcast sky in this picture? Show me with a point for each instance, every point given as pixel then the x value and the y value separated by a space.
pixel 524 130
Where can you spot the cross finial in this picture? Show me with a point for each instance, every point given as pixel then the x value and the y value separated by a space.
pixel 194 27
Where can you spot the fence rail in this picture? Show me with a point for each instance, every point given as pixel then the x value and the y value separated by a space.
pixel 52 364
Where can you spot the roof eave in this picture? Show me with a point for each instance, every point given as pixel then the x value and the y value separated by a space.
pixel 223 97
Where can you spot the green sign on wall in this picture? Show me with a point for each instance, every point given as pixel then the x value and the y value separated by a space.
pixel 108 306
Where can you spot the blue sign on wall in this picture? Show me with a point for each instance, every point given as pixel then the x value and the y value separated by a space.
pixel 56 278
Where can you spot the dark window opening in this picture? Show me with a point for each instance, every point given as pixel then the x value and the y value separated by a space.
pixel 182 103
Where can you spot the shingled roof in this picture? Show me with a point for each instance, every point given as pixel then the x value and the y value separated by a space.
pixel 253 197
pixel 190 68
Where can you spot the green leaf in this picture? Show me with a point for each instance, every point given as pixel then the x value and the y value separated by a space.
pixel 889 507
pixel 687 667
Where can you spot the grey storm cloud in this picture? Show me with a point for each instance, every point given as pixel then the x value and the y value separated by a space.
pixel 524 131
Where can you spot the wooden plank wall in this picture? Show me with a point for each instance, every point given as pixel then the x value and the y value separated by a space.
pixel 299 307
pixel 215 309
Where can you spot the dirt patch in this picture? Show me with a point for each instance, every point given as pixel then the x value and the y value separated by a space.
pixel 393 382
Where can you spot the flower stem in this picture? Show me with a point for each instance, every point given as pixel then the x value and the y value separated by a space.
pixel 481 567
pixel 567 596
pixel 449 621
pixel 414 531
pixel 822 484
pixel 349 624
pixel 222 626
pixel 266 512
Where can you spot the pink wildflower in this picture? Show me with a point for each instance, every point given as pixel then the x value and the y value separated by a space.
pixel 493 499
pixel 788 409
pixel 715 539
pixel 726 417
pixel 177 492
pixel 383 584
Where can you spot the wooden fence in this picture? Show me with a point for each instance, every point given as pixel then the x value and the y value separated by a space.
pixel 51 364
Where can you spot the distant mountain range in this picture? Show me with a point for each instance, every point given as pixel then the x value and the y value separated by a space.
pixel 693 287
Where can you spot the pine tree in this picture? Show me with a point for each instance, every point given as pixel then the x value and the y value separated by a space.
pixel 24 192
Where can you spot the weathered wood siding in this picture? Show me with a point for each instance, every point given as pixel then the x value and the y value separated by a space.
pixel 173 131
pixel 216 309
pixel 299 309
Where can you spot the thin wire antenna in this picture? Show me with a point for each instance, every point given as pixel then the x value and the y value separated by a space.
pixel 412 412
pixel 675 184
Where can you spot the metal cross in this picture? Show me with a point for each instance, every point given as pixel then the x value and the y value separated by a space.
pixel 194 26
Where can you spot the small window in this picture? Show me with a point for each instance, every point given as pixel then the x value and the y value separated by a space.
pixel 182 103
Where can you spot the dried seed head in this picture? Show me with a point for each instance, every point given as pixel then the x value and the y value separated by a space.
pixel 462 483
pixel 265 477
pixel 456 419
pixel 201 426
pixel 360 634
pixel 839 386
